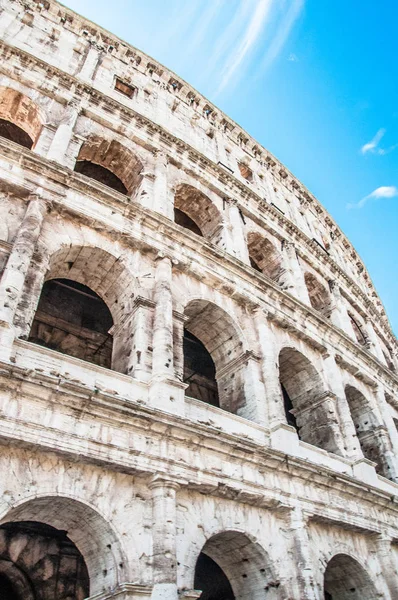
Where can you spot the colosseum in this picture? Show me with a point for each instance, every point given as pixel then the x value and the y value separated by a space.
pixel 199 390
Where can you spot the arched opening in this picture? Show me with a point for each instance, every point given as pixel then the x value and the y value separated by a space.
pixel 369 431
pixel 12 132
pixel 233 567
pixel 212 346
pixel 59 537
pixel 40 561
pixel 318 294
pixel 196 212
pixel 313 409
pixel 182 219
pixel 110 163
pixel 20 120
pixel 74 320
pixel 346 579
pixel 199 371
pixel 99 173
pixel 110 282
pixel 263 255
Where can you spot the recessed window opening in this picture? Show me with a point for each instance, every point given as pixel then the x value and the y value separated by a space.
pixel 12 132
pixel 74 320
pixel 124 88
pixel 185 221
pixel 211 579
pixel 199 371
pixel 246 171
pixel 101 174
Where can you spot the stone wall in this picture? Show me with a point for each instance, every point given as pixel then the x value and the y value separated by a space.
pixel 163 278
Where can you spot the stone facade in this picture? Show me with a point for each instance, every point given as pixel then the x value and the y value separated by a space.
pixel 198 380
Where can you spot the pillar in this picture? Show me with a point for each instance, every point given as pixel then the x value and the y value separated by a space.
pixel 387 437
pixel 305 582
pixel 338 312
pixel 270 369
pixel 14 274
pixel 163 201
pixel 373 343
pixel 351 445
pixel 64 132
pixel 166 393
pixel 384 555
pixel 139 341
pixel 91 62
pixel 293 274
pixel 164 547
pixel 237 244
pixel 162 357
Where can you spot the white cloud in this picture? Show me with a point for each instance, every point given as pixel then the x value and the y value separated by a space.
pixel 384 191
pixel 248 41
pixel 293 57
pixel 373 146
pixel 281 34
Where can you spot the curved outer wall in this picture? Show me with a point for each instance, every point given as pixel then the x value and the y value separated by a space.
pixel 192 225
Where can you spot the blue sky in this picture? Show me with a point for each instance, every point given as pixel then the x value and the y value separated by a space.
pixel 314 81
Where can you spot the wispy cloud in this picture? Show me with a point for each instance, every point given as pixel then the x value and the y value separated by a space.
pixel 247 42
pixel 373 146
pixel 384 191
pixel 281 35
pixel 293 57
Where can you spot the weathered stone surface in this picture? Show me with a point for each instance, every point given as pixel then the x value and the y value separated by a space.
pixel 198 386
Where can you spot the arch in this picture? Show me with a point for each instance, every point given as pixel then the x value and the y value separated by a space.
pixel 215 329
pixel 72 319
pixel 194 210
pixel 110 163
pixel 107 276
pixel 20 119
pixel 313 408
pixel 89 531
pixel 318 294
pixel 40 561
pixel 263 255
pixel 368 428
pixel 346 579
pixel 233 564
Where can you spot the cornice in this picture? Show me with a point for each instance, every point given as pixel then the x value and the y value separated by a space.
pixel 116 411
pixel 228 179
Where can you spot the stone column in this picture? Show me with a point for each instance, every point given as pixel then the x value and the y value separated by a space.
pixel 373 343
pixel 164 560
pixel 163 201
pixel 384 555
pixel 270 369
pixel 139 340
pixel 387 437
pixel 166 393
pixel 13 278
pixel 338 312
pixel 178 345
pixel 162 357
pixel 298 527
pixel 352 447
pixel 237 244
pixel 91 62
pixel 64 132
pixel 293 275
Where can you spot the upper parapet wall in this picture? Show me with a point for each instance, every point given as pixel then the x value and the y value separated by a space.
pixel 89 53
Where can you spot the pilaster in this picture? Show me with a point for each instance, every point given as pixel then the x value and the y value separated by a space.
pixel 14 274
pixel 64 132
pixel 293 276
pixel 237 243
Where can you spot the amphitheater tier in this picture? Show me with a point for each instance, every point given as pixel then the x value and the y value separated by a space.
pixel 198 380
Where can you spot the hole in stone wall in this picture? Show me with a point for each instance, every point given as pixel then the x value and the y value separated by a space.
pixel 15 134
pixel 184 220
pixel 211 579
pixel 48 564
pixel 74 320
pixel 346 579
pixel 199 371
pixel 101 174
